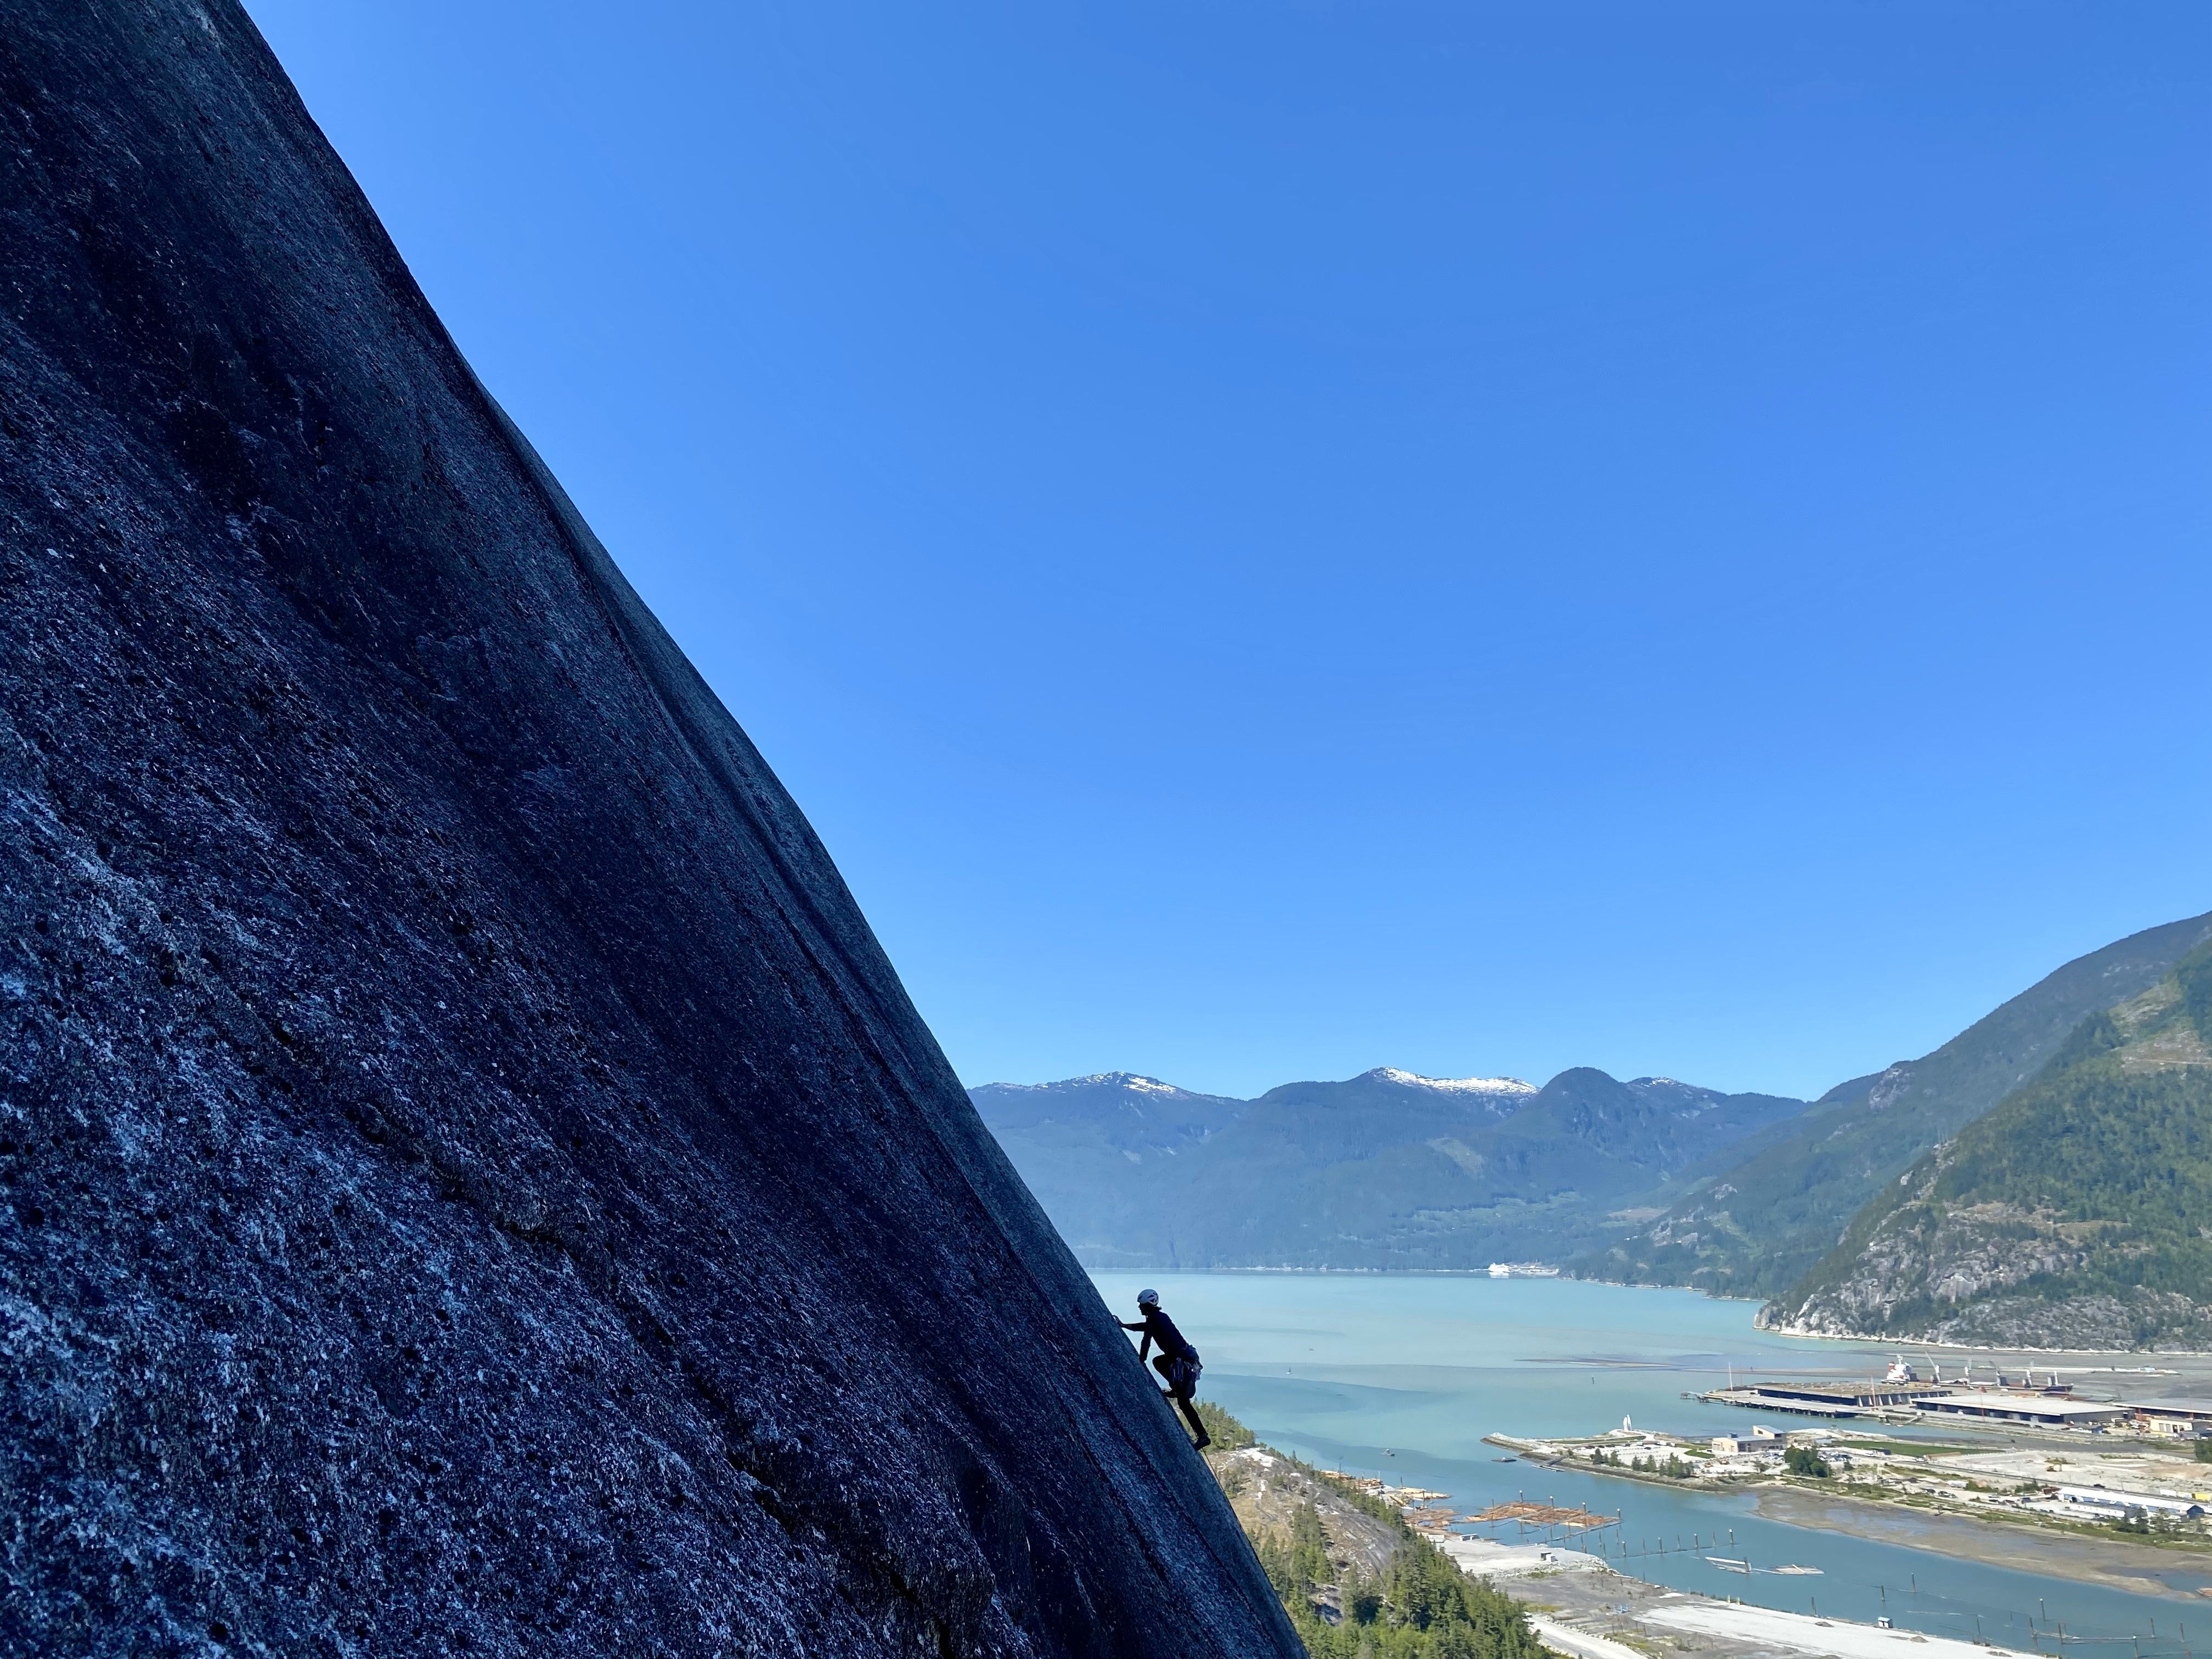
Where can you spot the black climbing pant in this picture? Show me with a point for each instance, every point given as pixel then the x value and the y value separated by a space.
pixel 1164 1366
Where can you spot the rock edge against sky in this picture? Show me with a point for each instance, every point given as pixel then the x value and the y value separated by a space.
pixel 473 1182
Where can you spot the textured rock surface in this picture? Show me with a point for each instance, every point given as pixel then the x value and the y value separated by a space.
pixel 472 1181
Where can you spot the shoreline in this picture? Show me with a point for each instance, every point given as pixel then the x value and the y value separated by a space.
pixel 1922 1344
pixel 1367 1272
pixel 1890 1339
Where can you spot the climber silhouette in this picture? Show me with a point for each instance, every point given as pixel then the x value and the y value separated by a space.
pixel 1176 1361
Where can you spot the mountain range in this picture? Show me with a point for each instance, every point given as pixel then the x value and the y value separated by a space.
pixel 2043 1179
pixel 1386 1169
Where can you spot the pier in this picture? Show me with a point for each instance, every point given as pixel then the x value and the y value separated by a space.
pixel 1830 1400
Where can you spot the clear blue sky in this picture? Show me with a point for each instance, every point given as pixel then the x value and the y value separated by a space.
pixel 1270 540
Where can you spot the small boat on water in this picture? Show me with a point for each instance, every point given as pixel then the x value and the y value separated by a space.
pixel 1800 1573
pixel 1722 1562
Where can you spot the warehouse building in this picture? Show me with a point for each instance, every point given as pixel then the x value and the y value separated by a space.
pixel 2040 1411
pixel 2185 1418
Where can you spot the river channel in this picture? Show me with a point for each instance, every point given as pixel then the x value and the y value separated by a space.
pixel 1402 1376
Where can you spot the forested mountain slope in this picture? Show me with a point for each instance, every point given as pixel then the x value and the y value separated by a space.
pixel 2077 1213
pixel 1756 1228
pixel 1385 1169
pixel 1093 1148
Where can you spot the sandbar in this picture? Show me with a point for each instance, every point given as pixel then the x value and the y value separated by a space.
pixel 2141 1568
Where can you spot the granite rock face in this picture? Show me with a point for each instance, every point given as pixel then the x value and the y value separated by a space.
pixel 472 1182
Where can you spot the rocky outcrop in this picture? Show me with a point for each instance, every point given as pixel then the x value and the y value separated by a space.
pixel 1928 1259
pixel 2142 1319
pixel 472 1181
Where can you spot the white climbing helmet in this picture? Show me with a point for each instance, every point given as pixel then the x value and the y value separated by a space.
pixel 1148 1298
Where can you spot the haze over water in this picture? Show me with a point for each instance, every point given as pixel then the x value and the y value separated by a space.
pixel 1403 1376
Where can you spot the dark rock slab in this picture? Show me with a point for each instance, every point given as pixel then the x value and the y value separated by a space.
pixel 472 1182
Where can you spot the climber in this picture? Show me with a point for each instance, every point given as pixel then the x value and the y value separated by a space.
pixel 1176 1361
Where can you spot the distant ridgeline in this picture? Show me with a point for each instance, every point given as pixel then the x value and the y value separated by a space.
pixel 1385 1169
pixel 2043 1179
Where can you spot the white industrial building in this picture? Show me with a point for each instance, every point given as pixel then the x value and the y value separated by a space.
pixel 2041 1411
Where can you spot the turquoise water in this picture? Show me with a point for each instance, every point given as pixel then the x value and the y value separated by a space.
pixel 1402 1376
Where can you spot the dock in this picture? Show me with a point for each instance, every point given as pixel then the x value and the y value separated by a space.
pixel 1829 1400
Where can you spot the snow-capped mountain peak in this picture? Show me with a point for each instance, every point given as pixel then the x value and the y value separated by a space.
pixel 1461 1085
pixel 1130 1080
